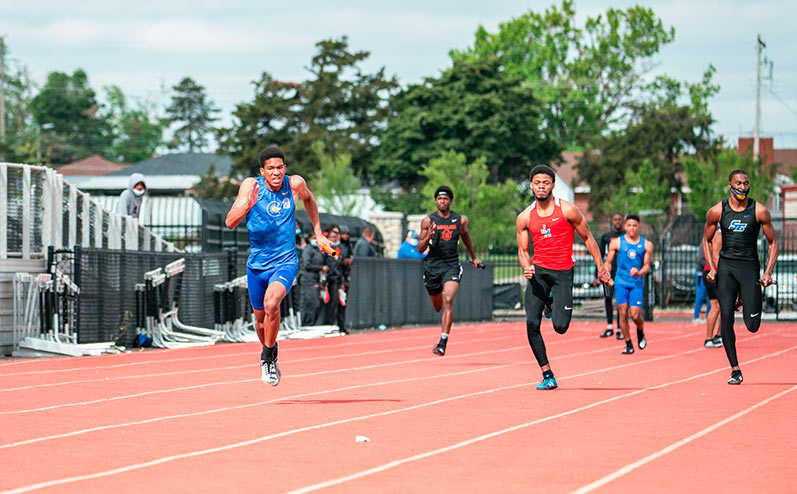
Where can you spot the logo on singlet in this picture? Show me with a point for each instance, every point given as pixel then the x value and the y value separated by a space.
pixel 274 208
pixel 546 232
pixel 632 254
pixel 446 231
pixel 737 226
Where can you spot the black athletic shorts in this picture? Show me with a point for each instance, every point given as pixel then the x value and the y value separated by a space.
pixel 434 277
pixel 711 288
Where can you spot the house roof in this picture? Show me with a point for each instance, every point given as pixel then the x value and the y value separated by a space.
pixel 566 168
pixel 92 166
pixel 785 158
pixel 180 164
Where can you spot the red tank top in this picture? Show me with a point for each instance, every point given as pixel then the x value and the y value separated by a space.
pixel 552 237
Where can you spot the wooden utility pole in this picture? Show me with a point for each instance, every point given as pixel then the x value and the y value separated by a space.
pixel 759 45
pixel 2 90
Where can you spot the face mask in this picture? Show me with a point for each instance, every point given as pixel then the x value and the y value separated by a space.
pixel 312 242
pixel 335 244
pixel 298 231
pixel 740 195
pixel 138 192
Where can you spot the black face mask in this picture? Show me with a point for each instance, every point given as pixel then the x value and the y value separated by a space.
pixel 739 194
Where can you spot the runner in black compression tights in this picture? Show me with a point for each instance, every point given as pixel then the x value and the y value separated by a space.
pixel 737 271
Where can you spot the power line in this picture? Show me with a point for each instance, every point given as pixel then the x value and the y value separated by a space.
pixel 782 102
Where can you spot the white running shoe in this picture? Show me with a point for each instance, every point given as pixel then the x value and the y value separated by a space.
pixel 270 372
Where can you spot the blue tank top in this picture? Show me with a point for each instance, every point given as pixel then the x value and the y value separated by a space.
pixel 272 227
pixel 630 256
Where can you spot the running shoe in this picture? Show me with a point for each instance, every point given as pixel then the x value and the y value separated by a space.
pixel 717 340
pixel 547 310
pixel 440 349
pixel 547 384
pixel 607 333
pixel 736 377
pixel 618 335
pixel 629 348
pixel 270 373
pixel 712 344
pixel 640 336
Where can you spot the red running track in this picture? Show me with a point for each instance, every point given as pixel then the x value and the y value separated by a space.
pixel 199 420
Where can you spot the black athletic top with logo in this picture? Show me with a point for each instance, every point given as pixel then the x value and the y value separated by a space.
pixel 444 242
pixel 739 233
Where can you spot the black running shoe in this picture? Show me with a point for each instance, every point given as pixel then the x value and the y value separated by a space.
pixel 736 377
pixel 607 333
pixel 640 336
pixel 547 310
pixel 717 340
pixel 618 335
pixel 440 349
pixel 629 348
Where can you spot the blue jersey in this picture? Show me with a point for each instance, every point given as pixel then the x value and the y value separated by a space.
pixel 272 227
pixel 630 256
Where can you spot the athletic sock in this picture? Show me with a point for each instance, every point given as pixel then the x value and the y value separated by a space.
pixel 269 354
pixel 547 374
pixel 444 336
pixel 610 327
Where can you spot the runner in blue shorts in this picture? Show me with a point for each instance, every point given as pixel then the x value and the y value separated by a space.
pixel 633 254
pixel 268 203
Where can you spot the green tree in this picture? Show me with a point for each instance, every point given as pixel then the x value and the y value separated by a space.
pixel 473 108
pixel 67 108
pixel 339 105
pixel 662 131
pixel 584 76
pixel 213 187
pixel 490 208
pixel 644 193
pixel 707 179
pixel 335 185
pixel 21 140
pixel 136 131
pixel 192 111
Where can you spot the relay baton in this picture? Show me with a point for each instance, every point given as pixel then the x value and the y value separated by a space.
pixel 605 289
pixel 329 250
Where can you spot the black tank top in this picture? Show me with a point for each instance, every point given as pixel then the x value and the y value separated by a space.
pixel 443 246
pixel 739 233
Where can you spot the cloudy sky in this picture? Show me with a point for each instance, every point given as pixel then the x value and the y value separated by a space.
pixel 147 46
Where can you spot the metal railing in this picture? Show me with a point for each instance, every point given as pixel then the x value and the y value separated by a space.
pixel 42 211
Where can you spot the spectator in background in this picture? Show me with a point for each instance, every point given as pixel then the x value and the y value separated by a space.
pixel 312 265
pixel 346 260
pixel 364 246
pixel 409 249
pixel 130 199
pixel 330 310
pixel 701 295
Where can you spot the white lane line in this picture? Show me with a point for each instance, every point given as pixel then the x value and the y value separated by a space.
pixel 243 366
pixel 250 405
pixel 320 426
pixel 333 371
pixel 672 447
pixel 396 463
pixel 184 359
pixel 383 339
pixel 224 409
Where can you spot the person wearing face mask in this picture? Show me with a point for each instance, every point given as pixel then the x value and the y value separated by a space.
pixel 130 199
pixel 737 271
pixel 312 266
pixel 409 249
